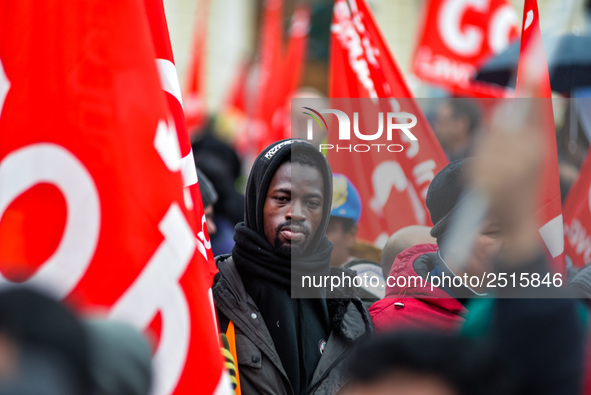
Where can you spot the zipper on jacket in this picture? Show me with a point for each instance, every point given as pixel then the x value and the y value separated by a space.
pixel 327 372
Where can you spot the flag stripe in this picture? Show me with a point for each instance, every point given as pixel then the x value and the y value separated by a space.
pixel 552 234
pixel 169 78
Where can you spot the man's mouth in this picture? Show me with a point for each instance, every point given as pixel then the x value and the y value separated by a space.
pixel 294 234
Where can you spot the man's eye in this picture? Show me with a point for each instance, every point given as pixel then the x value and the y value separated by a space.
pixel 314 204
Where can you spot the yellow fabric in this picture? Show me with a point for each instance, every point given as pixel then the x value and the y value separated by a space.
pixel 231 335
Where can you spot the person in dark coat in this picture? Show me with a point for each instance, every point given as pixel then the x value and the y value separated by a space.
pixel 286 345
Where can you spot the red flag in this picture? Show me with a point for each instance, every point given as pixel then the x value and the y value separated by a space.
pixel 170 84
pixel 363 67
pixel 194 104
pixel 270 50
pixel 296 48
pixel 279 75
pixel 457 36
pixel 577 218
pixel 91 196
pixel 286 79
pixel 237 97
pixel 533 81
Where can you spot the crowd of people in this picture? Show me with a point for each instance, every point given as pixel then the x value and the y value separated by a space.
pixel 416 339
pixel 297 219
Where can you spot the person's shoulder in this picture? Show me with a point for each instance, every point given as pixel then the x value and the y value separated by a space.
pixel 416 313
pixel 348 315
pixel 227 273
pixel 223 263
pixel 358 264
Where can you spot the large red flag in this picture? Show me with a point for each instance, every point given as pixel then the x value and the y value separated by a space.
pixel 91 193
pixel 457 36
pixel 172 91
pixel 270 62
pixel 533 81
pixel 194 104
pixel 577 218
pixel 361 66
pixel 285 80
pixel 296 48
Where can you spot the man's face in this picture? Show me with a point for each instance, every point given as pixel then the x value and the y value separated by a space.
pixel 487 245
pixel 293 207
pixel 342 240
pixel 448 127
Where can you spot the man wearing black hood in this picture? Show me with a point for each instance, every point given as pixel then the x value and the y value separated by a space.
pixel 286 345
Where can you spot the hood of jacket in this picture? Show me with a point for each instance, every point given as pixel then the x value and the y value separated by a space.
pixel 261 174
pixel 409 278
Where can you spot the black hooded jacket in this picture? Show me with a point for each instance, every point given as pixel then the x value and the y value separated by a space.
pixel 259 280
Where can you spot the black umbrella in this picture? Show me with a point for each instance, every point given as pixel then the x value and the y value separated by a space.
pixel 569 63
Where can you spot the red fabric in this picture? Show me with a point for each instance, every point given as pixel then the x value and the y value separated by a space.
pixel 82 116
pixel 280 72
pixel 533 81
pixel 577 217
pixel 194 102
pixel 457 37
pixel 423 308
pixel 161 39
pixel 267 93
pixel 238 93
pixel 361 66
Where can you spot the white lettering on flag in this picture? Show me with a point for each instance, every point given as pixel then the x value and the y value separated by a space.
pixel 53 164
pixel 169 78
pixel 552 234
pixel 166 143
pixel 157 289
pixel 4 86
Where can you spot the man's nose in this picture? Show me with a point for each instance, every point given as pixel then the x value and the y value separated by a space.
pixel 295 212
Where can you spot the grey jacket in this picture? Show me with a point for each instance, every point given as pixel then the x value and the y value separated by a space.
pixel 259 365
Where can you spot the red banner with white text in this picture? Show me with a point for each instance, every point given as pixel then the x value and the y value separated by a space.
pixel 457 36
pixel 577 218
pixel 91 192
pixel 361 66
pixel 533 80
pixel 170 84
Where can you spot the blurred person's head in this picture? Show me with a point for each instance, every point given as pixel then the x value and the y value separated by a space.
pixel 297 120
pixel 223 167
pixel 209 197
pixel 422 363
pixel 455 123
pixel 48 344
pixel 401 240
pixel 121 358
pixel 344 217
pixel 287 197
pixel 444 197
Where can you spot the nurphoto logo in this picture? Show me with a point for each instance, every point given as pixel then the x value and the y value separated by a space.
pixel 395 121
